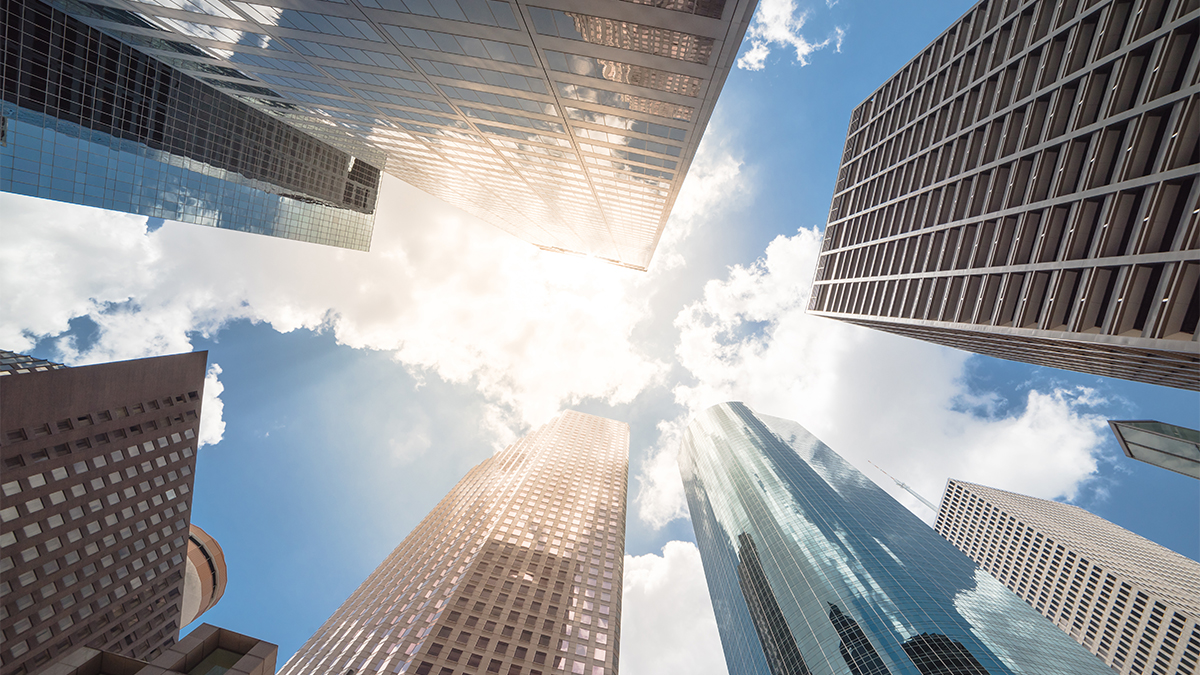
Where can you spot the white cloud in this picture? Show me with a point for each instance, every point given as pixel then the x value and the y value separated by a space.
pixel 446 294
pixel 212 422
pixel 667 620
pixel 901 403
pixel 778 23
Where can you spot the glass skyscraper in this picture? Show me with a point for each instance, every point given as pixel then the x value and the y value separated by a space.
pixel 517 571
pixel 812 568
pixel 568 125
pixel 89 120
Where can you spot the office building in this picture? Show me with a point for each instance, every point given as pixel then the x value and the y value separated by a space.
pixel 516 571
pixel 1026 188
pixel 95 498
pixel 1131 602
pixel 1170 446
pixel 813 569
pixel 90 120
pixel 570 125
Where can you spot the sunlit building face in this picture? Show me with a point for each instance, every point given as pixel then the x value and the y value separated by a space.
pixel 1129 601
pixel 812 568
pixel 517 570
pixel 570 129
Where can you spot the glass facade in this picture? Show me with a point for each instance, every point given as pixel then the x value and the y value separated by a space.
pixel 1167 445
pixel 92 121
pixel 468 99
pixel 812 568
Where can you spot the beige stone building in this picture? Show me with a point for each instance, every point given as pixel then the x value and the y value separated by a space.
pixel 1131 602
pixel 516 571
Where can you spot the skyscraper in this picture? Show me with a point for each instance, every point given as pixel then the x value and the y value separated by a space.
pixel 1170 446
pixel 90 120
pixel 1027 188
pixel 570 126
pixel 517 570
pixel 1131 602
pixel 812 568
pixel 95 498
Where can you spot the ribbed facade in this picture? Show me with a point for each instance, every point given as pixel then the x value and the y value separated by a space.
pixel 517 571
pixel 569 124
pixel 1027 188
pixel 1131 602
pixel 95 497
pixel 813 569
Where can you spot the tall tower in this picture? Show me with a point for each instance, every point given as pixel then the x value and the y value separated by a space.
pixel 88 119
pixel 517 570
pixel 1131 602
pixel 570 125
pixel 95 505
pixel 812 568
pixel 1026 188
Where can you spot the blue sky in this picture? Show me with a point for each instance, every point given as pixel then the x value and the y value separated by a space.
pixel 355 389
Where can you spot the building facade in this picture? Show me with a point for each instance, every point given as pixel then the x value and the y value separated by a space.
pixel 1027 188
pixel 208 650
pixel 90 120
pixel 95 497
pixel 812 568
pixel 1131 602
pixel 568 124
pixel 516 571
pixel 1169 446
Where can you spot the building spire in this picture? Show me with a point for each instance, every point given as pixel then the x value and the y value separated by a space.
pixel 906 488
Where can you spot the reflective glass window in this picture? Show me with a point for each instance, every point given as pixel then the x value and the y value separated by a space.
pixel 625 73
pixel 483 76
pixel 622 35
pixel 624 101
pixel 349 54
pixel 310 21
pixel 484 12
pixel 461 44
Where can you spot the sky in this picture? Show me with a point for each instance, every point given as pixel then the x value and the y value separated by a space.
pixel 348 392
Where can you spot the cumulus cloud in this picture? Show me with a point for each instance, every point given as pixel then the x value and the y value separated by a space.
pixel 667 620
pixel 904 404
pixel 446 294
pixel 212 422
pixel 777 23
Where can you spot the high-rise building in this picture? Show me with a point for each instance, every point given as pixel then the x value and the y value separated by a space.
pixel 1027 188
pixel 1170 446
pixel 95 498
pixel 568 125
pixel 517 570
pixel 90 120
pixel 1131 602
pixel 812 568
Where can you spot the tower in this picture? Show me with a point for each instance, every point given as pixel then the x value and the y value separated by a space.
pixel 95 504
pixel 1026 188
pixel 850 578
pixel 517 570
pixel 570 126
pixel 1131 602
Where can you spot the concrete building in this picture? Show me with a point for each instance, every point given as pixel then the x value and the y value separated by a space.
pixel 568 124
pixel 205 578
pixel 1169 446
pixel 1027 187
pixel 1131 602
pixel 517 570
pixel 813 569
pixel 208 650
pixel 95 503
